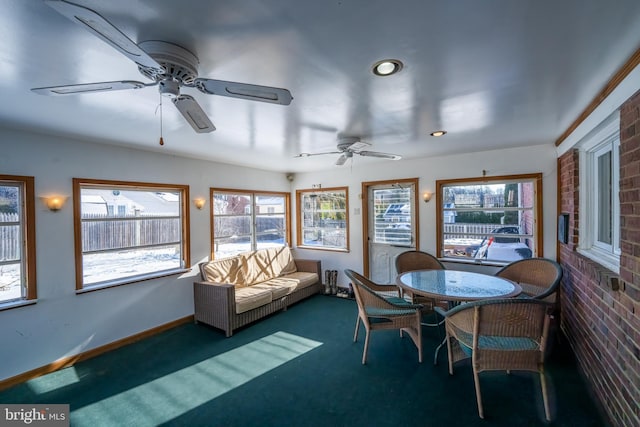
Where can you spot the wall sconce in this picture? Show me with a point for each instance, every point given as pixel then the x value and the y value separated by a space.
pixel 199 202
pixel 54 203
pixel 426 197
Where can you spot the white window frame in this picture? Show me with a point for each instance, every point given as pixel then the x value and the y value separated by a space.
pixel 605 137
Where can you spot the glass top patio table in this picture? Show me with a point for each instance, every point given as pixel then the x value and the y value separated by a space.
pixel 453 285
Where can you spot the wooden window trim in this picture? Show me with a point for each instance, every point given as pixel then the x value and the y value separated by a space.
pixel 299 194
pixel 287 208
pixel 29 230
pixel 78 183
pixel 535 177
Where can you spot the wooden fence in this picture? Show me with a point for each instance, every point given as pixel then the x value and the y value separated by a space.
pixel 9 237
pixel 101 232
pixel 469 231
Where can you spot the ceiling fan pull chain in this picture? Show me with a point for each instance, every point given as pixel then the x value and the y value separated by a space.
pixel 160 106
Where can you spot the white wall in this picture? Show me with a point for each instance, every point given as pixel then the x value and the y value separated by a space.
pixel 63 323
pixel 533 159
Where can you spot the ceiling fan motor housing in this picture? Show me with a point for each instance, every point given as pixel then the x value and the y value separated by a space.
pixel 178 63
pixel 352 144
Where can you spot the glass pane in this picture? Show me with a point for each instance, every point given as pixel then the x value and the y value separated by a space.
pixel 127 233
pixel 104 266
pixel 489 221
pixel 12 286
pixel 270 221
pixel 510 195
pixel 231 204
pixel 604 198
pixel 271 227
pixel 234 227
pixel 324 219
pixel 393 216
pixel 226 247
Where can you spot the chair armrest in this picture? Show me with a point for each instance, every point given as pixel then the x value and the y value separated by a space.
pixel 208 294
pixel 309 266
pixel 383 288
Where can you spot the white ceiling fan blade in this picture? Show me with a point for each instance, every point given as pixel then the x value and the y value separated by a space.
pixel 317 154
pixel 193 113
pixel 99 26
pixel 342 159
pixel 380 155
pixel 89 88
pixel 247 91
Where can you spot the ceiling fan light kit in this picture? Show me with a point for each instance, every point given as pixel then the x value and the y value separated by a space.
pixel 168 65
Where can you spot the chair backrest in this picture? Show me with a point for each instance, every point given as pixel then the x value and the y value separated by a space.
pixel 482 324
pixel 538 277
pixel 365 291
pixel 417 260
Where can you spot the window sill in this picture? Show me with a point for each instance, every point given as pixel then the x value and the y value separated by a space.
pixel 474 262
pixel 320 248
pixel 15 304
pixel 130 280
pixel 605 259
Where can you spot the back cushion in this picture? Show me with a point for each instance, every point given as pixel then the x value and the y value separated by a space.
pixel 266 264
pixel 225 270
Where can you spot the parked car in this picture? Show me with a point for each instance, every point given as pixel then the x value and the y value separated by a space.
pixel 502 248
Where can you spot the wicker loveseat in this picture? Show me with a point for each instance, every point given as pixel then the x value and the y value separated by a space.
pixel 238 290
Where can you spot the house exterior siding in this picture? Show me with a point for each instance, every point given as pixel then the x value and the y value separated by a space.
pixel 601 310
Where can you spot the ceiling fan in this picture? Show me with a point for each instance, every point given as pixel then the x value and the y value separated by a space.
pixel 168 65
pixel 349 146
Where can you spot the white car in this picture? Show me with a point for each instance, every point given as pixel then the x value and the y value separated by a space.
pixel 500 248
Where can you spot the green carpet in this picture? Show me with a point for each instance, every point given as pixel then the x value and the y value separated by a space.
pixel 300 368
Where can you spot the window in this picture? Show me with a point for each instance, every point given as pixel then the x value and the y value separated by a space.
pixel 128 232
pixel 393 214
pixel 249 220
pixel 322 218
pixel 496 219
pixel 599 227
pixel 17 240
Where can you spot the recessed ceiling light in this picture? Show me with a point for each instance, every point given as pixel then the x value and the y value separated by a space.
pixel 387 67
pixel 438 133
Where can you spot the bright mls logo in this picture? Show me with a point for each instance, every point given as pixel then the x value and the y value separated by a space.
pixel 37 415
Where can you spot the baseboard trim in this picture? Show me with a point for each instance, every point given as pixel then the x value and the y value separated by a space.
pixel 71 360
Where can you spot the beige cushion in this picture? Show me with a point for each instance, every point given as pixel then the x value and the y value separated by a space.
pixel 226 270
pixel 304 278
pixel 293 281
pixel 277 290
pixel 266 264
pixel 251 297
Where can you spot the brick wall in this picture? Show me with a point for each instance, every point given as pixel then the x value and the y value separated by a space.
pixel 600 315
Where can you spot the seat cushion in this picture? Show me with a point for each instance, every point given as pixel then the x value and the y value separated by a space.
pixel 251 297
pixel 302 278
pixel 278 290
pixel 266 264
pixel 499 343
pixel 291 282
pixel 226 270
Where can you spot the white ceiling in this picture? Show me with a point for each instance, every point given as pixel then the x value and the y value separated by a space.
pixel 493 73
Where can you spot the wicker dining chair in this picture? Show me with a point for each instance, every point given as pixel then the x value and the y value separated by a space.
pixel 500 335
pixel 419 260
pixel 377 312
pixel 538 277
